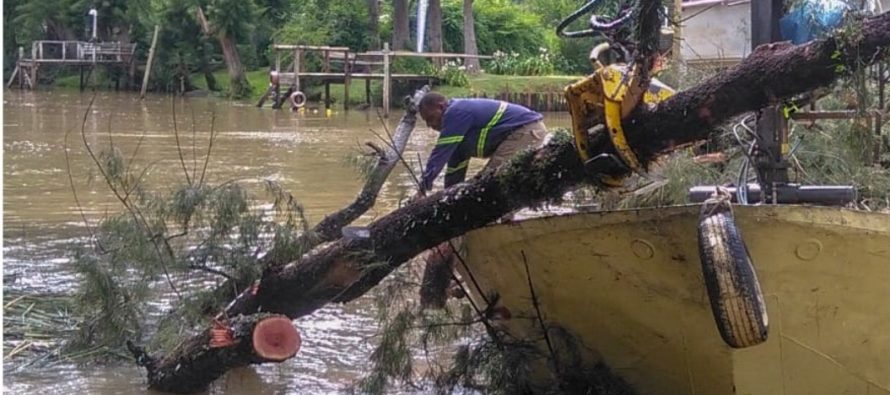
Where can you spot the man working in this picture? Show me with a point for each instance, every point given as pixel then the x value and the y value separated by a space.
pixel 481 128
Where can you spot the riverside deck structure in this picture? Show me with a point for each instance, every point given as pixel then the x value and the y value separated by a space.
pixel 341 65
pixel 86 55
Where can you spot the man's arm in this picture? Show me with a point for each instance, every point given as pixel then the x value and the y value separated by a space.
pixel 456 170
pixel 454 127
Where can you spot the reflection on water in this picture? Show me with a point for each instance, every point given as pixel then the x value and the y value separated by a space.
pixel 306 153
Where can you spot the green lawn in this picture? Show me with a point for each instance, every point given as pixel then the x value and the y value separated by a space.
pixel 492 84
pixel 489 84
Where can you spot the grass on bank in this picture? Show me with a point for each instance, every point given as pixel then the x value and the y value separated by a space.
pixel 489 84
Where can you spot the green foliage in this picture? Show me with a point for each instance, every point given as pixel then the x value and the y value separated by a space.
pixel 514 64
pixel 335 23
pixel 500 25
pixel 233 18
pixel 195 234
pixel 410 65
pixel 451 73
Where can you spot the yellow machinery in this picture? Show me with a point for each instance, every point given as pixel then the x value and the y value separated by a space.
pixel 605 98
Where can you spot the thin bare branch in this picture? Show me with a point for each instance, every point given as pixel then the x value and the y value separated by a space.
pixel 211 270
pixel 74 192
pixel 194 141
pixel 209 147
pixel 178 145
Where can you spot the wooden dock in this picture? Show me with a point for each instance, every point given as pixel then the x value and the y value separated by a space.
pixel 85 55
pixel 340 65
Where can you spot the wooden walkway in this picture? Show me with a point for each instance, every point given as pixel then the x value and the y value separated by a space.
pixel 366 66
pixel 80 54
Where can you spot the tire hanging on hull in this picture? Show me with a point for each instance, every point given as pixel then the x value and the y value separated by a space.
pixel 733 289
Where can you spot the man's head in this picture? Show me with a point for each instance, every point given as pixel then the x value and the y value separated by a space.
pixel 431 107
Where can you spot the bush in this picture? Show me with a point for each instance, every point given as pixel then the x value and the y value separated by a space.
pixel 500 26
pixel 451 73
pixel 515 64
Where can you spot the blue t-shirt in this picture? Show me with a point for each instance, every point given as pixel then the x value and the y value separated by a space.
pixel 466 122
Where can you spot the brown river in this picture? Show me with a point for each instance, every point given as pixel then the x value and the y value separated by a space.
pixel 304 152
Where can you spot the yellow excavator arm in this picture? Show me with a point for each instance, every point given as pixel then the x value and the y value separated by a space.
pixel 606 97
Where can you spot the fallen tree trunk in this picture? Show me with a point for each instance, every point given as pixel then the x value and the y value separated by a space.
pixel 244 340
pixel 329 228
pixel 347 268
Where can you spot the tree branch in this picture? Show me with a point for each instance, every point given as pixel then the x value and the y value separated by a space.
pixel 347 268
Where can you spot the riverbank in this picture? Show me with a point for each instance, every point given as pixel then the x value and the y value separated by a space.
pixel 487 85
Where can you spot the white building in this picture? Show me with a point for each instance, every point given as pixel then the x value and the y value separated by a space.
pixel 719 31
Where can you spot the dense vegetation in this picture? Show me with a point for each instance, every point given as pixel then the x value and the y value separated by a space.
pixel 521 32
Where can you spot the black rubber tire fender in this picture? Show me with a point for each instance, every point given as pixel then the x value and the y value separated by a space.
pixel 733 289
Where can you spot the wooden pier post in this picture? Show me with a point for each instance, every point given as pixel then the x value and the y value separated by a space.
pixel 297 55
pixel 327 97
pixel 32 71
pixel 386 80
pixel 277 83
pixel 151 57
pixel 368 91
pixel 346 71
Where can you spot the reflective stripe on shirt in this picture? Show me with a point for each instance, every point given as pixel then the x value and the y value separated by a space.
pixel 483 135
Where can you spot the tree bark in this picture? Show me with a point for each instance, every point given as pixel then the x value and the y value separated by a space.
pixel 373 24
pixel 400 25
pixel 205 69
pixel 434 28
pixel 329 228
pixel 472 64
pixel 238 84
pixel 347 268
pixel 204 357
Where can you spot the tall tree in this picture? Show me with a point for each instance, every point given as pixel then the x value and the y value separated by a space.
pixel 400 24
pixel 373 24
pixel 434 28
pixel 228 20
pixel 470 38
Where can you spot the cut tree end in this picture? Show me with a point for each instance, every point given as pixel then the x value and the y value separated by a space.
pixel 276 339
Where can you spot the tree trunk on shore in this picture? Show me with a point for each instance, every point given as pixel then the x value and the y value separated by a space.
pixel 434 28
pixel 400 25
pixel 205 68
pixel 347 268
pixel 470 38
pixel 373 24
pixel 238 84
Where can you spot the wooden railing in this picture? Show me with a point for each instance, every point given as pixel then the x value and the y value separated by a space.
pixel 348 62
pixel 47 51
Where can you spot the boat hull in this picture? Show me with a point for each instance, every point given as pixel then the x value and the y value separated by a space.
pixel 627 286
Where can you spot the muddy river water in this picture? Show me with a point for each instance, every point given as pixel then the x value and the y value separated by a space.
pixel 306 153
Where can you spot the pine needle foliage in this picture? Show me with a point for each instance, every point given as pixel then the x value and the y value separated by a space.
pixel 172 246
